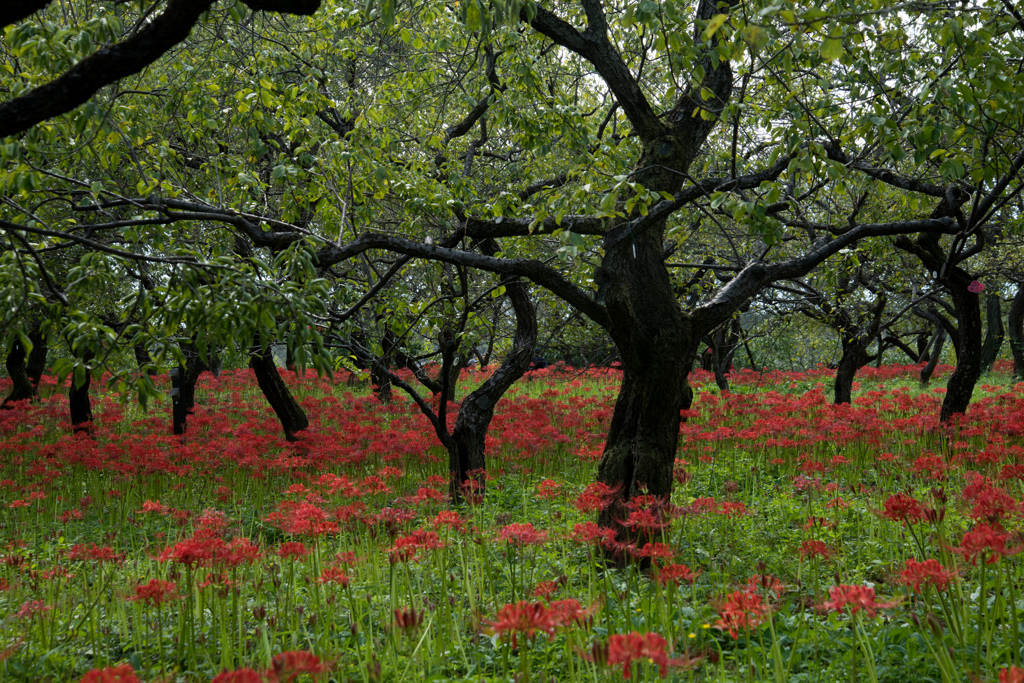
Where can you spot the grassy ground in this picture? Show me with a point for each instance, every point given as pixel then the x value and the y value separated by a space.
pixel 804 542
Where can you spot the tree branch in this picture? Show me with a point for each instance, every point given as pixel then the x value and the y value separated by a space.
pixel 109 64
pixel 538 272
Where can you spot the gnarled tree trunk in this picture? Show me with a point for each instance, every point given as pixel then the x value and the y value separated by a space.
pixel 22 388
pixel 289 412
pixel 967 307
pixel 78 400
pixel 855 356
pixel 466 452
pixel 994 332
pixel 36 365
pixel 933 360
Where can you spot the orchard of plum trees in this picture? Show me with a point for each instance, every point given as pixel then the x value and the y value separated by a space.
pixel 384 184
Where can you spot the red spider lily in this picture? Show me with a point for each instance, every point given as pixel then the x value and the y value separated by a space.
pixel 290 665
pixel 815 549
pixel 544 589
pixel 301 518
pixel 590 532
pixel 597 496
pixel 651 550
pixel 80 552
pixel 929 572
pixel 645 521
pixel 765 584
pixel 334 575
pixel 244 675
pixel 292 549
pixel 519 534
pixel 122 673
pixel 409 619
pixel 904 509
pixel 991 503
pixel 450 519
pixel 408 547
pixel 674 574
pixel 548 489
pixel 154 506
pixel 741 610
pixel 857 598
pixel 239 551
pixel 988 541
pixel 192 552
pixel 30 608
pixel 1012 674
pixel 566 612
pixel 637 647
pixel 156 592
pixel 522 619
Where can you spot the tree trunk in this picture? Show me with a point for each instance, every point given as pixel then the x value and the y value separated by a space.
pixel 1015 323
pixel 967 307
pixel 937 344
pixel 289 412
pixel 78 400
pixel 36 365
pixel 194 367
pixel 144 360
pixel 994 333
pixel 467 454
pixel 855 356
pixel 22 388
pixel 656 342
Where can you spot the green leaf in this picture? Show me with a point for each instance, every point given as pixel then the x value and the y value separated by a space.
pixel 832 47
pixel 714 24
pixel 387 12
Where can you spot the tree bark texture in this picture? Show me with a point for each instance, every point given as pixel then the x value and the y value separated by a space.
pixel 22 388
pixel 967 307
pixel 78 401
pixel 855 356
pixel 467 453
pixel 933 360
pixel 289 412
pixel 994 332
pixel 1015 323
pixel 36 365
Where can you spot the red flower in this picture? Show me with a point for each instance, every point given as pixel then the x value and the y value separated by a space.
pixel 928 572
pixel 292 664
pixel 674 574
pixel 857 598
pixel 334 575
pixel 625 649
pixel 408 547
pixel 156 592
pixel 245 675
pixel 566 612
pixel 548 489
pixel 815 549
pixel 742 609
pixel 1011 675
pixel 123 673
pixel 590 532
pixel 988 541
pixel 652 550
pixel 904 509
pixel 95 553
pixel 523 618
pixel 292 549
pixel 410 619
pixel 518 534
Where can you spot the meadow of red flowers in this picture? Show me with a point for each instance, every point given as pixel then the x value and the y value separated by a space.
pixel 804 541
